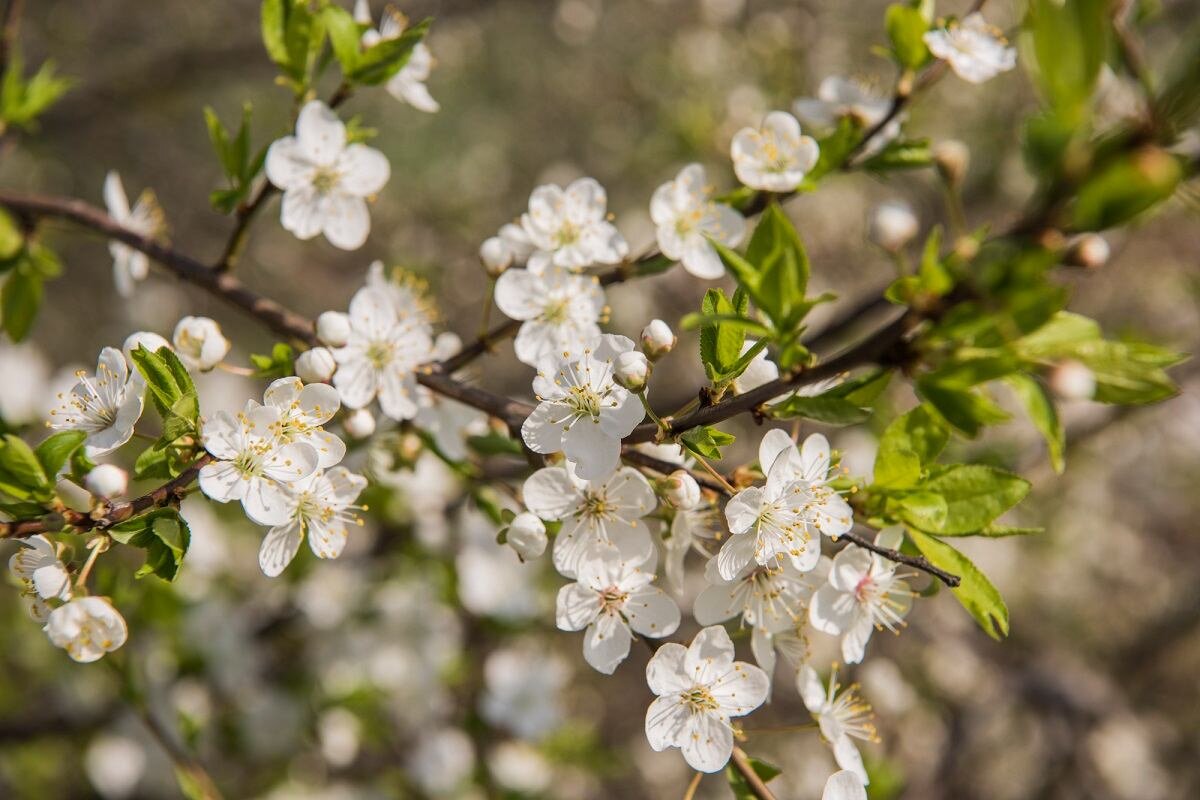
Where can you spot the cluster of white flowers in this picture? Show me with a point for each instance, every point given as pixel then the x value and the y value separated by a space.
pixel 278 461
pixel 974 49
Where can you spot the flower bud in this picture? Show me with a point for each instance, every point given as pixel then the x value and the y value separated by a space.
pixel 893 225
pixel 1072 380
pixel 496 256
pixel 527 536
pixel 1090 251
pixel 359 423
pixel 333 328
pixel 657 339
pixel 681 490
pixel 200 343
pixel 632 370
pixel 151 341
pixel 952 159
pixel 315 365
pixel 107 481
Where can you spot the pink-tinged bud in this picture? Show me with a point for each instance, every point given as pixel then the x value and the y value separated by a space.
pixel 681 490
pixel 1072 380
pixel 632 370
pixel 657 339
pixel 527 536
pixel 359 423
pixel 315 365
pixel 893 225
pixel 333 328
pixel 107 481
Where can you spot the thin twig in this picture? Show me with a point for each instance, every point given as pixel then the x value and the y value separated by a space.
pixel 693 785
pixel 741 762
pixel 9 28
pixel 917 562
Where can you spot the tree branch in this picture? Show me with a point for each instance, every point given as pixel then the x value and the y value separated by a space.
pixel 741 762
pixel 916 562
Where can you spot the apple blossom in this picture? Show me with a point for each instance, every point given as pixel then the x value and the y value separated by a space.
pixel 302 411
pixel 863 593
pixel 199 343
pixel 581 410
pixel 657 339
pixel 1090 251
pixel 321 508
pixel 681 490
pixel 107 481
pixel 105 405
pixel 842 717
pixel 687 218
pixel 974 49
pixel 315 365
pixel 87 628
pixel 146 218
pixel 325 182
pixel 700 688
pixel 333 328
pixel 559 311
pixel 775 156
pixel 251 465
pixel 609 510
pixel 568 228
pixel 527 535
pixel 613 599
pixel 407 292
pixel 381 356
pixel 42 575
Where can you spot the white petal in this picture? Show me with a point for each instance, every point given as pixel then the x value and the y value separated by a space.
pixel 302 212
pixel 667 721
pixel 320 133
pixel 576 607
pixel 594 453
pixel 831 611
pixel 651 613
pixel 775 443
pixel 550 493
pixel 846 754
pixel 710 654
pixel 844 785
pixel 519 294
pixel 700 259
pixel 266 503
pixel 347 222
pixel 709 744
pixel 279 547
pixel 606 643
pixel 364 170
pixel 812 691
pixel 665 673
pixel 854 642
pixel 114 197
pixel 741 512
pixel 287 166
pixel 738 551
pixel 543 430
pixel 743 688
pixel 220 481
pixel 716 604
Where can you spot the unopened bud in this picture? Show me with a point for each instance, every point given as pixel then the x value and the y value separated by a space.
pixel 527 536
pixel 107 481
pixel 657 339
pixel 151 341
pixel 952 159
pixel 1072 380
pixel 1090 251
pixel 315 365
pixel 333 328
pixel 200 343
pixel 496 256
pixel 893 225
pixel 359 423
pixel 681 490
pixel 632 370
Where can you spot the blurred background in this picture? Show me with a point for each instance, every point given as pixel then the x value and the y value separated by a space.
pixel 424 662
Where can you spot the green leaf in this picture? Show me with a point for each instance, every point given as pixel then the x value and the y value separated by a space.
pixel 171 389
pixel 924 510
pixel 21 473
pixel 967 410
pixel 1126 188
pixel 935 278
pixel 845 404
pixel 1068 40
pixel 910 443
pixel 495 444
pixel 901 154
pixel 975 496
pixel 741 789
pixel 279 364
pixel 836 147
pixel 55 450
pixel 274 28
pixel 706 441
pixel 387 57
pixel 19 302
pixel 345 36
pixel 12 240
pixel 721 339
pixel 976 593
pixel 906 27
pixel 165 537
pixel 973 371
pixel 1040 408
pixel 1059 337
pixel 778 254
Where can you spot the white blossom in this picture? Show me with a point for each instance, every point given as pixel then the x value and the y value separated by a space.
pixel 687 217
pixel 527 536
pixel 130 265
pixel 632 370
pixel 844 785
pixel 691 529
pixel 381 356
pixel 87 628
pixel 657 339
pixel 333 328
pixel 770 599
pixel 700 688
pixel 582 411
pixel 568 228
pixel 839 98
pixel 893 225
pixel 303 410
pixel 559 311
pixel 359 423
pixel 975 50
pixel 779 520
pixel 609 511
pixel 407 293
pixel 863 593
pixel 321 508
pixel 681 490
pixel 774 157
pixel 251 465
pixel 199 343
pixel 511 245
pixel 325 182
pixel 105 405
pixel 613 598
pixel 41 574
pixel 842 717
pixel 107 481
pixel 407 85
pixel 315 365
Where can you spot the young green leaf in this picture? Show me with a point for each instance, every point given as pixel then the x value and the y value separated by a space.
pixel 975 495
pixel 19 301
pixel 165 537
pixel 55 450
pixel 706 441
pixel 976 593
pixel 1040 408
pixel 906 27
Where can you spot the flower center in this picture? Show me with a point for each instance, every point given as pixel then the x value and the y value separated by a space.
pixel 612 600
pixel 584 401
pixel 325 179
pixel 566 235
pixel 555 312
pixel 380 354
pixel 595 506
pixel 699 698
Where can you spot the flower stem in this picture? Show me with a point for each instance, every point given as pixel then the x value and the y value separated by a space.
pixel 98 545
pixel 663 427
pixel 693 786
pixel 709 468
